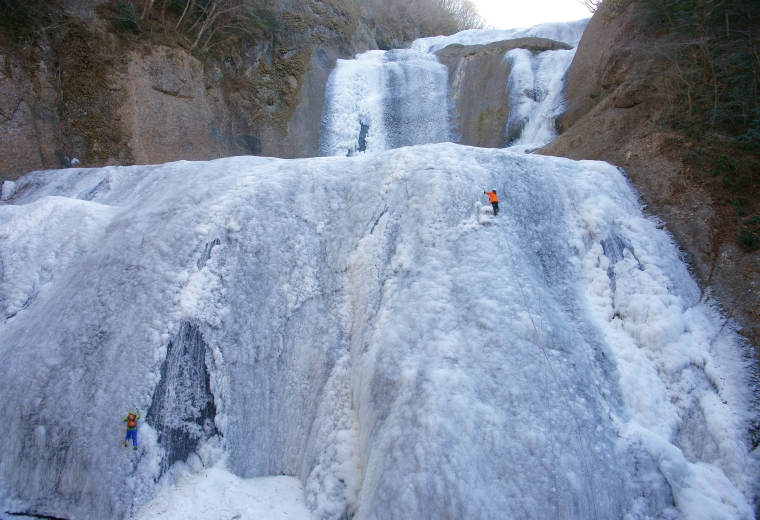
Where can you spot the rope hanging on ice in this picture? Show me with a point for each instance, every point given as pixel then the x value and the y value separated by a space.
pixel 551 428
pixel 581 435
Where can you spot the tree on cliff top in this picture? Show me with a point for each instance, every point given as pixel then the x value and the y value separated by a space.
pixel 399 21
pixel 20 20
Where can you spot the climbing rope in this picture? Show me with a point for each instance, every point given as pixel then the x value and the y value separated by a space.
pixel 581 435
pixel 549 414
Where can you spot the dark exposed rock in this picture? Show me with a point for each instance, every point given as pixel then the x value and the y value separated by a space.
pixel 182 410
pixel 207 253
pixel 34 514
pixel 250 143
pixel 363 137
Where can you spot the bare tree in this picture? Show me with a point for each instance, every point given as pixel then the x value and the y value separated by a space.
pixel 591 5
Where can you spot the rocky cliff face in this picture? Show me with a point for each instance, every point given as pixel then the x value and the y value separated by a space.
pixel 85 92
pixel 616 91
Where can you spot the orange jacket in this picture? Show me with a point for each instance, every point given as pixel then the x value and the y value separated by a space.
pixel 492 196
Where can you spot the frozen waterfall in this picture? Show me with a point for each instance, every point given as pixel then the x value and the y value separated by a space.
pixel 384 100
pixel 359 337
pixel 365 325
pixel 536 96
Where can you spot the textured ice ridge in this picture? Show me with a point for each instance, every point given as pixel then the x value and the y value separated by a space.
pixel 366 325
pixel 566 32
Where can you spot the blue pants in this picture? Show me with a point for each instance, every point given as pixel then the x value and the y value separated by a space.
pixel 133 434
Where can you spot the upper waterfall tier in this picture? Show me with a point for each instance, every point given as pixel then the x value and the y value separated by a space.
pixel 384 100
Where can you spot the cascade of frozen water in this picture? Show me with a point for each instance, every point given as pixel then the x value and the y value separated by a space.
pixel 384 100
pixel 536 96
pixel 364 324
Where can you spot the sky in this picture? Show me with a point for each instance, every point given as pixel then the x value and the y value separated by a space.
pixel 509 14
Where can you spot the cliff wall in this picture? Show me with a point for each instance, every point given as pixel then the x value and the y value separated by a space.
pixel 87 92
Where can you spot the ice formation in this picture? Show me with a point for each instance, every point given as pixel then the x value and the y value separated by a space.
pixel 536 88
pixel 384 100
pixel 566 32
pixel 368 327
pixel 365 325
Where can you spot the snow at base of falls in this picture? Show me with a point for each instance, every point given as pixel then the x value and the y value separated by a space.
pixel 215 493
pixel 383 100
pixel 370 328
pixel 566 32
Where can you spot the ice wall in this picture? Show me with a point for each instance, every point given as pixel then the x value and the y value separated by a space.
pixel 366 325
pixel 383 100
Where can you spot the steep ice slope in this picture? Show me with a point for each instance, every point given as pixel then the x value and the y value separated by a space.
pixel 366 326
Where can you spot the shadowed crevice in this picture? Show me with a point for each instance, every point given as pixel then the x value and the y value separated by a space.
pixel 182 410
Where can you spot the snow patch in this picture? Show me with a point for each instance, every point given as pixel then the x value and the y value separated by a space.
pixel 217 493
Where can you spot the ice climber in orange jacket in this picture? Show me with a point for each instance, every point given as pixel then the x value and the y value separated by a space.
pixel 494 201
pixel 131 420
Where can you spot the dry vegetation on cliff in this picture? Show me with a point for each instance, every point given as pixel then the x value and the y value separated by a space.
pixel 709 51
pixel 396 22
pixel 55 52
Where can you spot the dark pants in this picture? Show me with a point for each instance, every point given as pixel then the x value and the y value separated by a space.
pixel 133 434
pixel 495 208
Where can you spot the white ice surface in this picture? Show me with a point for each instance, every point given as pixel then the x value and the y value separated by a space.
pixel 374 331
pixel 214 493
pixel 400 96
pixel 566 32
